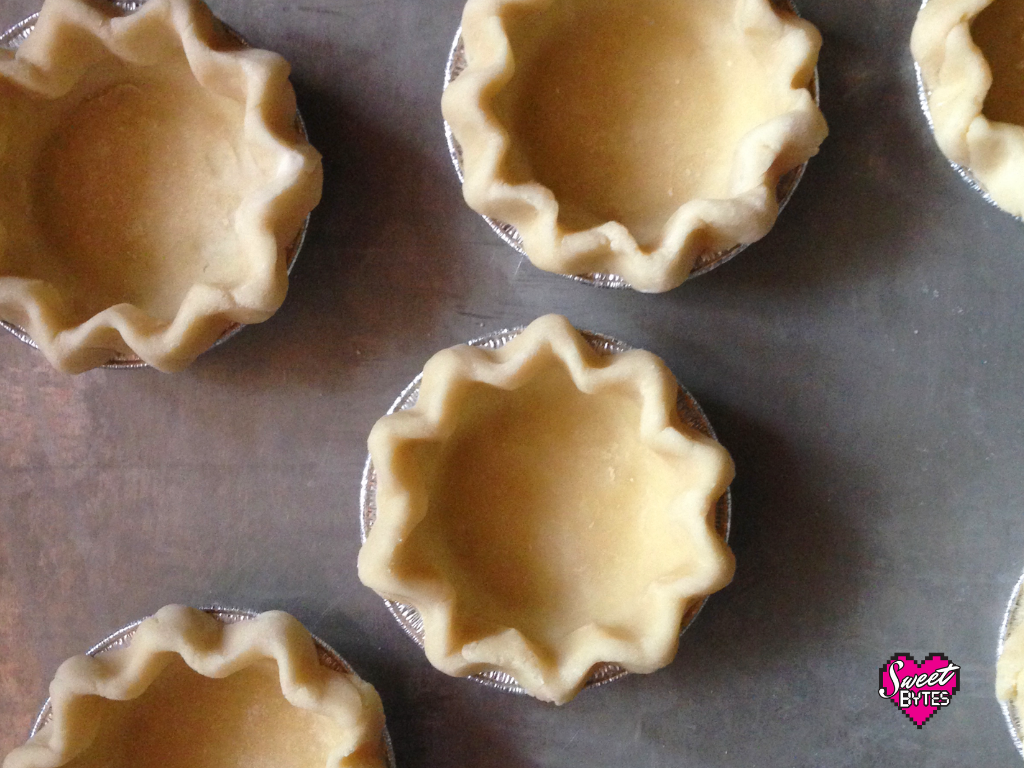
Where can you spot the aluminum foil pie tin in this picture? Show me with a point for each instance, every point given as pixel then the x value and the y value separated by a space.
pixel 408 617
pixel 1012 619
pixel 11 40
pixel 705 262
pixel 328 657
pixel 965 173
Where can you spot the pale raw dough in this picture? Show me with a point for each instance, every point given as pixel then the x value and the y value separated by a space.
pixel 190 692
pixel 545 510
pixel 153 179
pixel 971 55
pixel 185 720
pixel 637 135
pixel 547 501
pixel 999 32
pixel 655 124
pixel 1010 669
pixel 135 190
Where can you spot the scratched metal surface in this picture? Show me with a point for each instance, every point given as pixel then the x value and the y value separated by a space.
pixel 863 363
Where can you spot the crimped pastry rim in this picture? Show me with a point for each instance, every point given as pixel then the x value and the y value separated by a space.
pixel 924 93
pixel 962 171
pixel 134 363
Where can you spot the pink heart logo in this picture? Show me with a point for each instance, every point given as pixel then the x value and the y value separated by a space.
pixel 919 690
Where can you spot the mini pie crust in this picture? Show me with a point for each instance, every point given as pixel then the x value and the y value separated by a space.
pixel 545 510
pixel 631 136
pixel 189 691
pixel 154 179
pixel 958 79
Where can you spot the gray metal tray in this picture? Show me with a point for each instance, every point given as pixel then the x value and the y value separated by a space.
pixel 863 363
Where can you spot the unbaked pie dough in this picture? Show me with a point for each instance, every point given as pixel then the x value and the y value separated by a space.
pixel 1010 667
pixel 999 32
pixel 971 56
pixel 630 136
pixel 545 510
pixel 191 692
pixel 153 179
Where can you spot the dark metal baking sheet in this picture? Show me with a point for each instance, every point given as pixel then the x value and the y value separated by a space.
pixel 863 364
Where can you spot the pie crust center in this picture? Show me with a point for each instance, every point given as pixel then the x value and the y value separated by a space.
pixel 186 720
pixel 546 502
pixel 134 183
pixel 626 110
pixel 999 32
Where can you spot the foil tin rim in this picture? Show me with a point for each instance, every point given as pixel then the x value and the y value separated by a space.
pixel 704 263
pixel 409 619
pixel 1013 618
pixel 11 40
pixel 962 171
pixel 327 656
